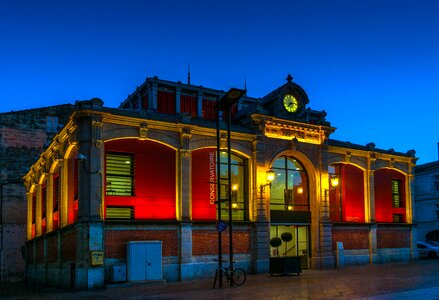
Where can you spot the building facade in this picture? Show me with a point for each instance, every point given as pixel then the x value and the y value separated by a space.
pixel 427 201
pixel 23 137
pixel 155 171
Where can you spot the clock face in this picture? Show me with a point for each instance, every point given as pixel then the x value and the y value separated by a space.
pixel 290 103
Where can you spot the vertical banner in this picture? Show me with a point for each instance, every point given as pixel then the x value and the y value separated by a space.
pixel 204 184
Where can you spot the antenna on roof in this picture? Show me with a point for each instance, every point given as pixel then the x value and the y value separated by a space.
pixel 189 73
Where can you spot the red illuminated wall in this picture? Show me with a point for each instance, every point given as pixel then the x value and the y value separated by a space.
pixel 188 104
pixel 154 183
pixel 166 102
pixel 384 209
pixel 351 191
pixel 204 184
pixel 72 193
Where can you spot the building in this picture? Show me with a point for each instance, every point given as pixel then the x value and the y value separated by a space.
pixel 427 201
pixel 23 137
pixel 114 178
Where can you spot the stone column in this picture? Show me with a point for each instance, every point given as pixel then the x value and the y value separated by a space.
pixel 200 105
pixel 260 205
pixel 90 272
pixel 63 205
pixel 49 204
pixel 177 100
pixel 38 213
pixel 185 175
pixel 373 250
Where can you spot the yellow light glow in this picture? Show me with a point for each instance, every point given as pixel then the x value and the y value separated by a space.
pixel 234 187
pixel 270 175
pixel 234 205
pixel 334 180
pixel 300 190
pixel 290 207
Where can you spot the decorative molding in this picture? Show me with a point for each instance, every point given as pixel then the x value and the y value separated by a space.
pixel 143 131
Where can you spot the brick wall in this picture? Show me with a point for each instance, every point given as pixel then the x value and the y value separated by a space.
pixel 116 241
pixel 205 242
pixel 23 137
pixel 351 238
pixel 393 237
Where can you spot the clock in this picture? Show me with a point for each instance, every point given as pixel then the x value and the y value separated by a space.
pixel 290 103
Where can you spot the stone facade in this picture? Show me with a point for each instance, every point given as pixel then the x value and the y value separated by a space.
pixel 427 201
pixel 151 171
pixel 23 137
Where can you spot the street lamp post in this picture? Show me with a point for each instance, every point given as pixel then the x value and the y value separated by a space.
pixel 225 104
pixel 270 174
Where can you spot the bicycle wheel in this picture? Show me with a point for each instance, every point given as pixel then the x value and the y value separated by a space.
pixel 239 276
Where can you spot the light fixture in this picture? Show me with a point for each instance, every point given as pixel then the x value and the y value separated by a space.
pixel 290 207
pixel 234 187
pixel 334 180
pixel 270 175
pixel 300 190
pixel 234 205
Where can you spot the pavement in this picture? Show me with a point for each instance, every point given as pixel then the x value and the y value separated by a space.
pixel 413 280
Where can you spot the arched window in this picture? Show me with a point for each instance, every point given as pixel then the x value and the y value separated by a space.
pixel 140 180
pixel 390 198
pixel 289 189
pixel 204 186
pixel 346 201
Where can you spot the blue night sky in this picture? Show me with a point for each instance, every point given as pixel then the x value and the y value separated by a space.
pixel 373 66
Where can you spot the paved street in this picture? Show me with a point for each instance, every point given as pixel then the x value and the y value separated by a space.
pixel 415 280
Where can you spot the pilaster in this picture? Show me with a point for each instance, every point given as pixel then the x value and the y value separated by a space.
pixel 49 204
pixel 63 205
pixel 38 213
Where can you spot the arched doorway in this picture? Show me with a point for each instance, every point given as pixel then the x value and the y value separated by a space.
pixel 290 215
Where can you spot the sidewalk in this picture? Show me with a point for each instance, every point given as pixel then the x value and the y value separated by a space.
pixel 414 280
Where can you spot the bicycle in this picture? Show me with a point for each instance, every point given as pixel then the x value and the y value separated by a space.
pixel 236 277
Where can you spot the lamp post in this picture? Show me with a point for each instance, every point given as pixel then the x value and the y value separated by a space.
pixel 334 181
pixel 270 174
pixel 225 104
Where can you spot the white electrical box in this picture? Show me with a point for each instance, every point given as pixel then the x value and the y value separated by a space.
pixel 144 260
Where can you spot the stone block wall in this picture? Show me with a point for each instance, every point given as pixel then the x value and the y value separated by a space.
pixel 23 136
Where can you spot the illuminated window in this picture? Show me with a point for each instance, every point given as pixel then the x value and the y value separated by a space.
pixel 436 183
pixel 239 190
pixel 289 189
pixel 119 174
pixel 396 193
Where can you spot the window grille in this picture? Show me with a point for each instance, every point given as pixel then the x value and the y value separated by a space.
pixel 398 218
pixel 396 193
pixel 119 175
pixel 121 213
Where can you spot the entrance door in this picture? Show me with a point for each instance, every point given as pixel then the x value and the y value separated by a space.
pixel 295 242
